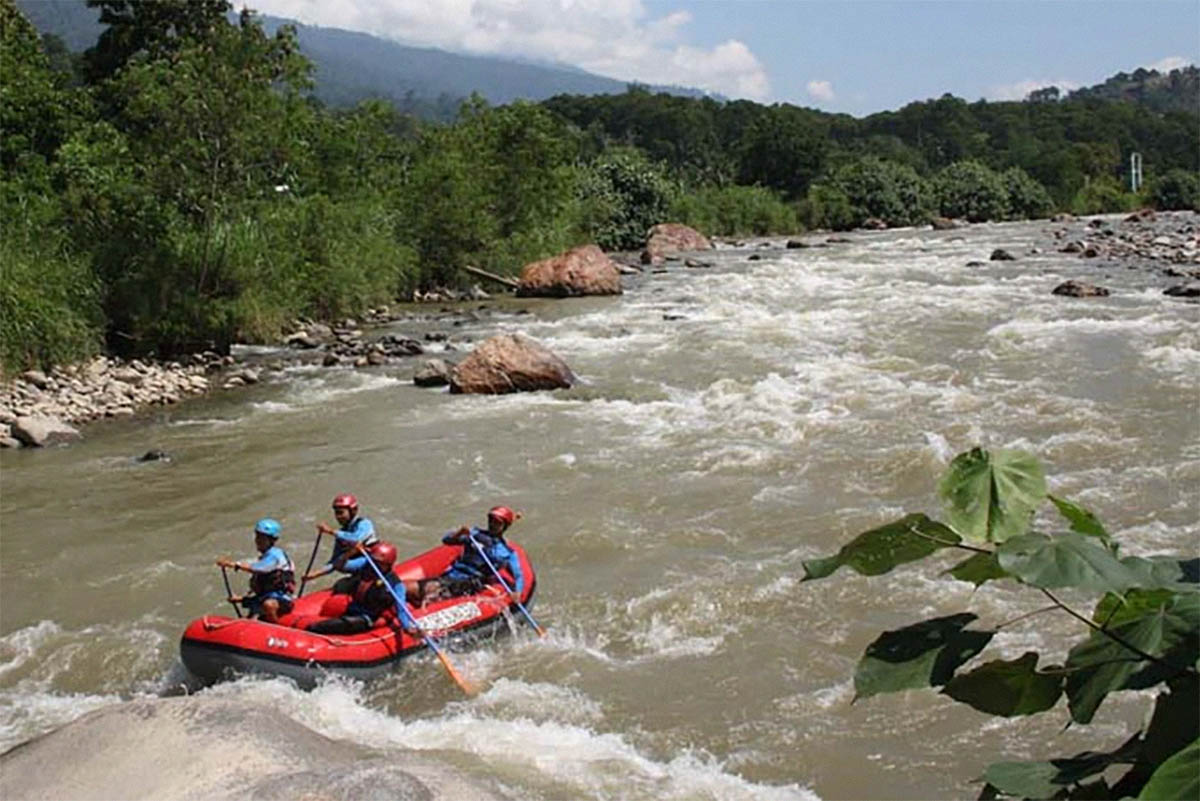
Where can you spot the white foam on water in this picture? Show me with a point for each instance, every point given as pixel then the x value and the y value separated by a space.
pixel 17 648
pixel 519 734
pixel 1038 329
pixel 272 407
pixel 27 710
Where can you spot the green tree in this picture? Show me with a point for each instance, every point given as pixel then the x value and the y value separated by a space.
pixel 36 111
pixel 891 192
pixel 1143 633
pixel 1027 199
pixel 781 150
pixel 1101 195
pixel 623 194
pixel 154 28
pixel 217 124
pixel 496 189
pixel 734 211
pixel 969 190
pixel 1178 189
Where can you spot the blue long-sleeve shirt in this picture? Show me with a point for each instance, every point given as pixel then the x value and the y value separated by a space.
pixel 360 529
pixel 271 559
pixel 471 564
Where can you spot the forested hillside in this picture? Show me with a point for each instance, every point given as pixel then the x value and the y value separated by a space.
pixel 351 67
pixel 1177 90
pixel 177 187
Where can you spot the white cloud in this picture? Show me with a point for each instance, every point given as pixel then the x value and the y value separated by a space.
pixel 1021 89
pixel 820 90
pixel 1165 65
pixel 614 38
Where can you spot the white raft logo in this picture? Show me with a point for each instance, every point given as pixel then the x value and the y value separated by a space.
pixel 448 617
pixel 276 642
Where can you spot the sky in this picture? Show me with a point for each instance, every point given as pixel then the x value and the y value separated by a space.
pixel 851 56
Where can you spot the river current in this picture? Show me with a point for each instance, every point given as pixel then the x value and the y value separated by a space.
pixel 730 423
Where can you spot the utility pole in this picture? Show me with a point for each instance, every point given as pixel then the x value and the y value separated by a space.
pixel 1135 172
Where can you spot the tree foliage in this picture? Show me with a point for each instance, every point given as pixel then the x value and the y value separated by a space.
pixel 1178 189
pixel 622 194
pixel 183 178
pixel 971 191
pixel 873 188
pixel 1144 632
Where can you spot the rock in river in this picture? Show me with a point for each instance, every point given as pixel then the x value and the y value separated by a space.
pixel 510 363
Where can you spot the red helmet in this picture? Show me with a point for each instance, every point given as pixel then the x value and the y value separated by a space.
pixel 345 500
pixel 384 555
pixel 503 513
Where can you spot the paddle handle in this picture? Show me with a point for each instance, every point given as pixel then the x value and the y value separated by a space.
pixel 229 592
pixel 462 683
pixel 541 631
pixel 311 560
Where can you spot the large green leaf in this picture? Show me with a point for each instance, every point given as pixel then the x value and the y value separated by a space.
pixel 1114 609
pixel 1023 779
pixel 1176 778
pixel 1068 560
pixel 1102 664
pixel 1180 649
pixel 1007 689
pixel 925 654
pixel 990 496
pixel 879 550
pixel 1083 521
pixel 1048 779
pixel 1164 572
pixel 978 569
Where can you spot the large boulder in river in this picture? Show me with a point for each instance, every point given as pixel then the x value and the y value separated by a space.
pixel 41 430
pixel 668 238
pixel 584 270
pixel 510 363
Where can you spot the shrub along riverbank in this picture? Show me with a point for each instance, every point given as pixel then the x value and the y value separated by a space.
pixel 176 188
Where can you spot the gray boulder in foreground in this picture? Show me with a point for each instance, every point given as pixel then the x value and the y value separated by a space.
pixel 205 747
pixel 510 363
pixel 39 430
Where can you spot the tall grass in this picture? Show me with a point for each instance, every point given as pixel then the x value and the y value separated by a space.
pixel 49 305
pixel 735 211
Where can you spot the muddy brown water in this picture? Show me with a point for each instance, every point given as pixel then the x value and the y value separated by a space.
pixel 732 421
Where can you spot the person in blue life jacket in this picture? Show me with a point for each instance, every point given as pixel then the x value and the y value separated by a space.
pixel 273 577
pixel 371 597
pixel 470 572
pixel 353 529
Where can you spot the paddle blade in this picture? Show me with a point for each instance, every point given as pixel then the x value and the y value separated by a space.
pixel 466 686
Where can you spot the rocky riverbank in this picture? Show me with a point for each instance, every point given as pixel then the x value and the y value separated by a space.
pixel 39 408
pixel 42 408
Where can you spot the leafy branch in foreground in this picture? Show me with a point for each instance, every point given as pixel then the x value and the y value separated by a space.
pixel 1143 633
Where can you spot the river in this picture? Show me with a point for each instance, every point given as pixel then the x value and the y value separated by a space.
pixel 730 423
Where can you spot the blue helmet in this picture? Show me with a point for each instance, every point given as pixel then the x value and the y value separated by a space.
pixel 268 526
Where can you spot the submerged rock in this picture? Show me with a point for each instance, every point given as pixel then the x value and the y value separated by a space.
pixel 1079 289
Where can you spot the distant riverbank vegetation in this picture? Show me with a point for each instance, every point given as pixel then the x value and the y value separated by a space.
pixel 177 188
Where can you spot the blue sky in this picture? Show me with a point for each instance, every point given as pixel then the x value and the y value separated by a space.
pixel 853 56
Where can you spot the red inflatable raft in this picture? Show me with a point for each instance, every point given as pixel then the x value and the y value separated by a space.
pixel 216 646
